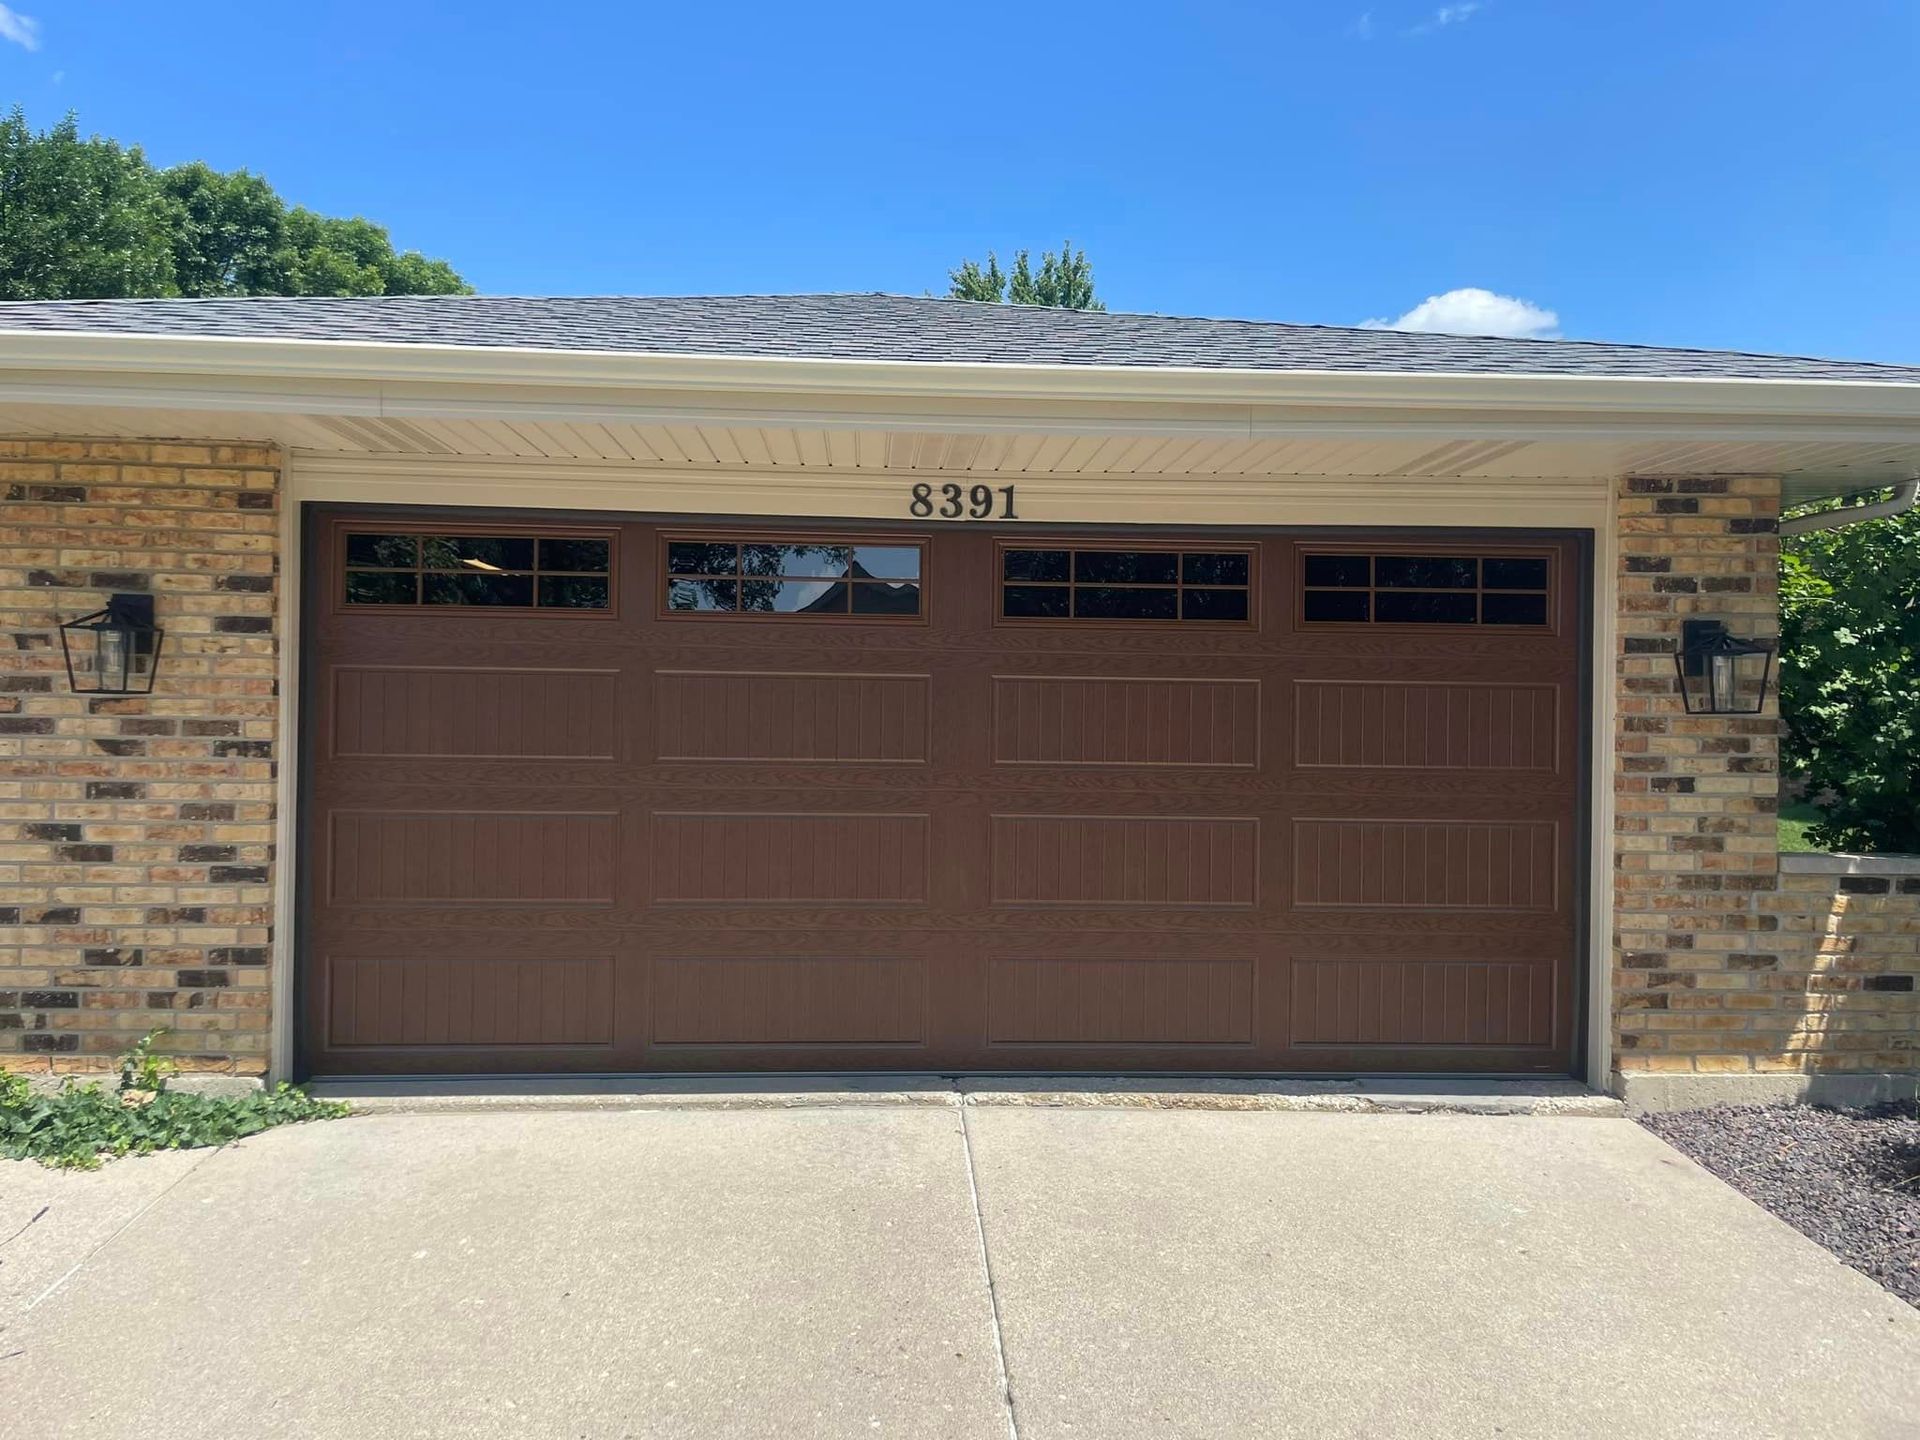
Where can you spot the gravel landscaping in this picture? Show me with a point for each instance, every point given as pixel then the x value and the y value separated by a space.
pixel 1849 1179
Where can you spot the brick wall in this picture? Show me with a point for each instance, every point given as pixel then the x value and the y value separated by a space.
pixel 136 833
pixel 1724 965
pixel 1699 984
pixel 1850 961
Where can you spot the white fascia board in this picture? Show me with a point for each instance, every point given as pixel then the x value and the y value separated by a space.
pixel 286 373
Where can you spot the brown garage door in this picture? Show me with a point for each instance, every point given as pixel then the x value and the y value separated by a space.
pixel 727 796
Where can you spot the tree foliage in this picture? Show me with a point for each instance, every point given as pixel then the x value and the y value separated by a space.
pixel 1064 280
pixel 1850 679
pixel 85 218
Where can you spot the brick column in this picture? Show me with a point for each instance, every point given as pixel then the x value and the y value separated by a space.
pixel 1697 967
pixel 136 833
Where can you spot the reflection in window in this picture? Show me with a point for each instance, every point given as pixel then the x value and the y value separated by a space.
pixel 1099 583
pixel 793 579
pixel 1425 589
pixel 520 572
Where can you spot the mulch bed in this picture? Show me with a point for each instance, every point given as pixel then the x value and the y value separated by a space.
pixel 1848 1179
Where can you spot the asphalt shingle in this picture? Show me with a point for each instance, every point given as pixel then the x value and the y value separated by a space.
pixel 903 328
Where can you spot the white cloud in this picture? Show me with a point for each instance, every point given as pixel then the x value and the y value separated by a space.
pixel 1473 311
pixel 1362 29
pixel 22 30
pixel 1447 15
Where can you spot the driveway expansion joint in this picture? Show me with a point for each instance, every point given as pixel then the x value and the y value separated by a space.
pixel 986 1270
pixel 132 1220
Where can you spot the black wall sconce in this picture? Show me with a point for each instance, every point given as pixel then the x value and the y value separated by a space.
pixel 115 651
pixel 1721 675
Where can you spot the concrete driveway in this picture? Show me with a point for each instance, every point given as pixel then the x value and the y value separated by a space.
pixel 929 1270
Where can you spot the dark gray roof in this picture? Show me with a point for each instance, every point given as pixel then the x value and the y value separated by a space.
pixel 901 327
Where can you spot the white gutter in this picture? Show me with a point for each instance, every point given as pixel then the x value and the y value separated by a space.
pixel 1904 497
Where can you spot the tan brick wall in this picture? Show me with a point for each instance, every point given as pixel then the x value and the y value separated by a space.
pixel 1849 969
pixel 1698 980
pixel 1721 963
pixel 136 833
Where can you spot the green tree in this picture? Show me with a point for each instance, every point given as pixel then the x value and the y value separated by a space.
pixel 1850 679
pixel 229 232
pixel 970 282
pixel 331 256
pixel 1064 280
pixel 79 219
pixel 89 219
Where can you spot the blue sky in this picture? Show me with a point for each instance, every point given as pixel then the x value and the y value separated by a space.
pixel 1688 172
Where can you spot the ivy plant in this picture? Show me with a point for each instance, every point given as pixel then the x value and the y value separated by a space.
pixel 78 1125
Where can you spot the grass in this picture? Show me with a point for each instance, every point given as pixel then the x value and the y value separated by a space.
pixel 1795 820
pixel 79 1125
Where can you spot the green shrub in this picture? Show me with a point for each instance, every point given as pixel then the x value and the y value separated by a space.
pixel 1850 681
pixel 74 1127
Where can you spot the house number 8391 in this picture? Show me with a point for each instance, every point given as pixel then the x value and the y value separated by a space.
pixel 956 502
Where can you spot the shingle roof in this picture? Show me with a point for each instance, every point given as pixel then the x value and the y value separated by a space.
pixel 902 328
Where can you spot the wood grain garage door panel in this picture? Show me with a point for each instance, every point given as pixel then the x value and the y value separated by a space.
pixel 479 713
pixel 1053 1001
pixel 471 858
pixel 790 859
pixel 1393 724
pixel 397 1001
pixel 1425 864
pixel 1419 1003
pixel 868 719
pixel 793 1001
pixel 680 828
pixel 1080 720
pixel 1115 860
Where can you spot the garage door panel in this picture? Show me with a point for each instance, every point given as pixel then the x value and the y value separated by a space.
pixel 1400 1003
pixel 822 718
pixel 498 857
pixel 727 858
pixel 473 713
pixel 1426 864
pixel 469 1001
pixel 784 1001
pixel 1381 934
pixel 1103 861
pixel 1427 725
pixel 1428 793
pixel 1199 723
pixel 641 839
pixel 1064 1001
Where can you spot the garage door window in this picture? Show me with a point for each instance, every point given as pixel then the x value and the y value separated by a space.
pixel 1201 586
pixel 794 579
pixel 495 571
pixel 1345 588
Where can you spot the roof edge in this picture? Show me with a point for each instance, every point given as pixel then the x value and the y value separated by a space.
pixel 218 359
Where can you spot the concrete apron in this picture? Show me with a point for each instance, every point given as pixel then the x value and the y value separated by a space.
pixel 931 1270
pixel 737 1092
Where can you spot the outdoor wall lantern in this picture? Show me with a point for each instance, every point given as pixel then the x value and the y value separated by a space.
pixel 1721 675
pixel 114 651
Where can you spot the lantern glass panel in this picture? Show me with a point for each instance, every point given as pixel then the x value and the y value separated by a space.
pixel 1720 674
pixel 113 651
